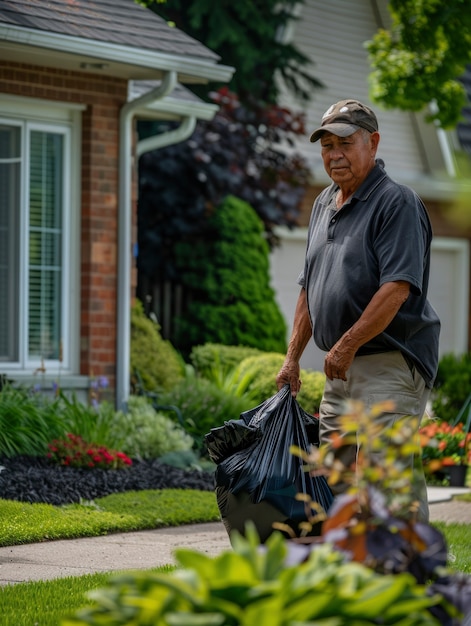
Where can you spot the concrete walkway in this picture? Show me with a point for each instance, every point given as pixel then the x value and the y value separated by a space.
pixel 152 548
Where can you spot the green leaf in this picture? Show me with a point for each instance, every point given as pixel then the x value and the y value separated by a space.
pixel 264 612
pixel 194 619
pixel 326 603
pixel 229 568
pixel 379 593
pixel 411 605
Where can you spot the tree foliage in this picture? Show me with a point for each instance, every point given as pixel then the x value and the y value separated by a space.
pixel 237 153
pixel 248 36
pixel 420 59
pixel 245 151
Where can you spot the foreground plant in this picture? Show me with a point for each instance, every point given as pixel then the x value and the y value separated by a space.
pixel 269 586
pixel 373 564
pixel 375 521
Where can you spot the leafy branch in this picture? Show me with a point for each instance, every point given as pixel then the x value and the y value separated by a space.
pixel 418 61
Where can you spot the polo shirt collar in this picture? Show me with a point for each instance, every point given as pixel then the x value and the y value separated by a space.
pixel 373 179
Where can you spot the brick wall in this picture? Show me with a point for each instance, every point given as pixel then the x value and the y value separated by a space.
pixel 103 98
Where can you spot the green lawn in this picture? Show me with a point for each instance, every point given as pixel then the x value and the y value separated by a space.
pixel 47 603
pixel 21 522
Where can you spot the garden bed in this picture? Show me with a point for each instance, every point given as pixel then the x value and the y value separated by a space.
pixel 35 479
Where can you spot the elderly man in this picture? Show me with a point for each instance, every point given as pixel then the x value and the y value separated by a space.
pixel 364 284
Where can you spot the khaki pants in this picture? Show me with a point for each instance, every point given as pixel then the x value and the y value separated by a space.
pixel 372 379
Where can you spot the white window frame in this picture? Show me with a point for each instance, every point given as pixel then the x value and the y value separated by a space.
pixel 25 357
pixel 64 119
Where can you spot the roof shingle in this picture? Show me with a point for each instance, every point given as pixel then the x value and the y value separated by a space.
pixel 122 22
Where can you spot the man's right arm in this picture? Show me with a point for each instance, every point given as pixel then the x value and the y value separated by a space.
pixel 300 336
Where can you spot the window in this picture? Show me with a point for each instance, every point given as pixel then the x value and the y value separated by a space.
pixel 36 251
pixel 10 179
pixel 45 241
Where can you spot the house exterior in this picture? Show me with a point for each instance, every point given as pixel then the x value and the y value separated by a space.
pixel 74 77
pixel 415 153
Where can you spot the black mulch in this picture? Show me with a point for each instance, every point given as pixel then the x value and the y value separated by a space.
pixel 34 479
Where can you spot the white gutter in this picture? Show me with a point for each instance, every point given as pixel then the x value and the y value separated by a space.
pixel 123 340
pixel 181 133
pixel 177 108
pixel 207 70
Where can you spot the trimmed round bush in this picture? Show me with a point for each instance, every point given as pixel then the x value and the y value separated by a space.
pixel 155 360
pixel 204 405
pixel 209 355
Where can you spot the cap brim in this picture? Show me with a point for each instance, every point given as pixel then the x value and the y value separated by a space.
pixel 339 129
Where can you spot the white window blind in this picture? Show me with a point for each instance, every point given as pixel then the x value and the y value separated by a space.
pixel 45 245
pixel 10 181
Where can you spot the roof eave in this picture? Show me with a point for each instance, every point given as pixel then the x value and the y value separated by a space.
pixel 188 68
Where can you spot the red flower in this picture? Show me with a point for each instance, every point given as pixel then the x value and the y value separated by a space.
pixel 75 452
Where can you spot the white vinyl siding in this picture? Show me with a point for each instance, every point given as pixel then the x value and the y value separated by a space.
pixel 333 36
pixel 38 241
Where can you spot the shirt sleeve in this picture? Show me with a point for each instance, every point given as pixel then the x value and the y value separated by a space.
pixel 402 238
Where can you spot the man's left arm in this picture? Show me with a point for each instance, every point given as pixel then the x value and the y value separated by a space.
pixel 376 317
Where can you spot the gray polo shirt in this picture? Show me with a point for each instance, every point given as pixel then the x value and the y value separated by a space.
pixel 381 234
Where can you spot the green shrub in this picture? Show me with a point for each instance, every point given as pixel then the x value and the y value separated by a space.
pixel 141 432
pixel 149 434
pixel 263 370
pixel 249 586
pixel 157 362
pixel 206 356
pixel 28 422
pixel 205 405
pixel 226 273
pixel 452 386
pixel 231 381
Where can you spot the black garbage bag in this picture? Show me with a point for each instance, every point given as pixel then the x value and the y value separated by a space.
pixel 257 477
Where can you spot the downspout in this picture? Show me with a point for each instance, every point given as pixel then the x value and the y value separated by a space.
pixel 123 340
pixel 181 133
